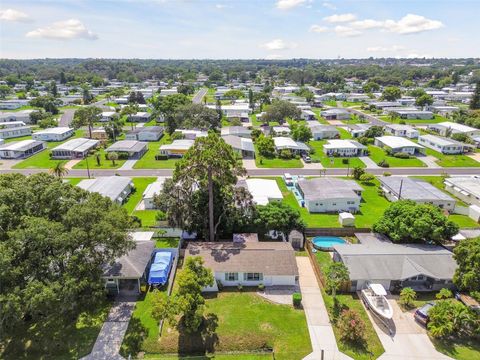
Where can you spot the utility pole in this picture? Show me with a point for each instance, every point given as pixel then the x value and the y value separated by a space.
pixel 88 168
pixel 400 190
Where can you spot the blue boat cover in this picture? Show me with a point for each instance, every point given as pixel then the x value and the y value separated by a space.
pixel 160 268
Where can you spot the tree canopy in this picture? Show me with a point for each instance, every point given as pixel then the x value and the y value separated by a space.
pixel 54 240
pixel 194 116
pixel 391 93
pixel 280 110
pixel 278 216
pixel 301 132
pixel 467 255
pixel 405 221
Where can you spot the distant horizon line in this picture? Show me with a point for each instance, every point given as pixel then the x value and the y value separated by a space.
pixel 244 59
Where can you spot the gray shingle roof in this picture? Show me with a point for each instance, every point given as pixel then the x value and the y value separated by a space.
pixel 414 189
pixel 133 264
pixel 328 188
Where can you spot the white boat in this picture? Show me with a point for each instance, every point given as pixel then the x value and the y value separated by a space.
pixel 375 297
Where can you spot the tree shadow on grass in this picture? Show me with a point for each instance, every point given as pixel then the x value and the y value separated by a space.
pixel 200 342
pixel 134 337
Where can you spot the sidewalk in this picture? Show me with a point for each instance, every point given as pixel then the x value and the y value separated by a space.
pixel 319 327
pixel 128 165
pixel 369 162
pixel 249 164
pixel 70 164
pixel 430 161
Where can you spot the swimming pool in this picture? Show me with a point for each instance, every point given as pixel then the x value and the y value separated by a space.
pixel 326 243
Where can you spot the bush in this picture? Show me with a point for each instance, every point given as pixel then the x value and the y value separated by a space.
pixel 261 287
pixel 297 299
pixel 387 173
pixel 383 163
pixel 123 156
pixel 176 136
pixel 240 287
pixel 161 157
pixel 407 297
pixel 444 294
pixel 401 155
pixel 285 154
pixel 367 177
pixel 351 326
pixel 345 161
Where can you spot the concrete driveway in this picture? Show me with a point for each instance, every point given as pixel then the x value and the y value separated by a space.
pixel 404 338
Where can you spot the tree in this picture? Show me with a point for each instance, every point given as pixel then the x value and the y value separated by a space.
pixel 47 102
pixel 373 132
pixel 86 116
pixel 53 88
pixel 251 99
pixel 136 97
pixel 444 294
pixel 301 132
pixel 467 256
pixel 86 95
pixel 475 101
pixel 279 111
pixel 407 297
pixel 351 326
pixel 278 216
pixel 112 156
pixel 55 239
pixel 358 172
pixel 391 93
pixel 185 89
pixel 450 318
pixel 166 106
pixel 48 122
pixel 370 87
pixel 59 170
pixel 234 94
pixel 336 274
pixel 195 116
pixel 114 127
pixel 424 100
pixel 5 91
pixel 405 221
pixel 265 146
pixel 37 116
pixel 367 178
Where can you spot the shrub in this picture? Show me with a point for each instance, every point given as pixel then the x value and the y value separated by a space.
pixel 161 157
pixel 261 287
pixel 444 294
pixel 345 161
pixel 387 173
pixel 297 299
pixel 407 297
pixel 383 163
pixel 401 155
pixel 176 136
pixel 123 155
pixel 160 216
pixel 351 326
pixel 285 154
pixel 240 287
pixel 367 177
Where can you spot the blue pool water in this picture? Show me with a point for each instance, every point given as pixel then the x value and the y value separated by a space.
pixel 327 242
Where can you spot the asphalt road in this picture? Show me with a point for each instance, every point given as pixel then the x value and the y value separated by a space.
pixel 197 98
pixel 66 117
pixel 262 172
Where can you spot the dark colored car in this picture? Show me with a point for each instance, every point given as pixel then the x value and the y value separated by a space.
pixel 421 314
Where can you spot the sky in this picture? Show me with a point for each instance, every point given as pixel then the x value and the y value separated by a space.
pixel 241 29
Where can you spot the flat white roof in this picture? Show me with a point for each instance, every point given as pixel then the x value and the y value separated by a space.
pixel 154 188
pixel 397 142
pixel 341 144
pixel 283 141
pixel 78 144
pixel 54 131
pixel 456 126
pixel 439 140
pixel 263 190
pixel 112 187
pixel 19 145
pixel 178 145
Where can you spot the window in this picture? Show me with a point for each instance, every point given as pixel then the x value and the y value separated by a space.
pixel 252 276
pixel 231 276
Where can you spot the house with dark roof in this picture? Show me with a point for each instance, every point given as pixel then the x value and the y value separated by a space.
pixel 247 261
pixel 376 259
pixel 242 146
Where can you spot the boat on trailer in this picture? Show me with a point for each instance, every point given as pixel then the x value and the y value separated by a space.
pixel 375 297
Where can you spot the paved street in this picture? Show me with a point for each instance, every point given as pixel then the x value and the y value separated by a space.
pixel 198 97
pixel 66 117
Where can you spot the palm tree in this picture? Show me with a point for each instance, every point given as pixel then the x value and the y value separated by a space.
pixel 407 297
pixel 59 170
pixel 112 156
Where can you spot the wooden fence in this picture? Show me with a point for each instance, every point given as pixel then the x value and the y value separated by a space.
pixel 315 266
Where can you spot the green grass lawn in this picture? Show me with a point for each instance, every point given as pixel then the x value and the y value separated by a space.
pixel 344 134
pixel 452 160
pixel 373 347
pixel 104 163
pixel 74 181
pixel 147 217
pixel 140 184
pixel 352 103
pixel 263 162
pixel 148 161
pixel 319 117
pixel 330 161
pixel 167 242
pixel 71 340
pixel 244 322
pixel 377 154
pixel 458 349
pixel 330 102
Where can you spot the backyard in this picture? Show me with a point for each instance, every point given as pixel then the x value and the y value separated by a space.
pixel 147 217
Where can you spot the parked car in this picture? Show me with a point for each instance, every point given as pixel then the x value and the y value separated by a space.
pixel 421 314
pixel 306 158
pixel 468 301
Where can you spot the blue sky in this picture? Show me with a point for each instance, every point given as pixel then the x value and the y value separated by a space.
pixel 239 29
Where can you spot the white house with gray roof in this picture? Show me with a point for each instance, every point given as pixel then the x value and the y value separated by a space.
pixel 53 134
pixel 145 133
pixel 466 188
pixel 336 114
pixel 401 130
pixel 398 144
pixel 134 149
pixel 14 132
pixel 341 147
pixel 116 188
pixel 242 146
pixel 444 145
pixel 320 132
pixel 21 149
pixel 445 127
pixel 74 149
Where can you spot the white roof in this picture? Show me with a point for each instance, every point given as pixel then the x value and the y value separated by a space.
pixel 108 113
pixel 346 215
pixel 283 141
pixel 78 144
pixel 263 190
pixel 19 145
pixel 54 130
pixel 457 127
pixel 184 144
pixel 397 142
pixel 441 141
pixel 341 144
pixel 112 187
pixel 154 188
pixel 142 235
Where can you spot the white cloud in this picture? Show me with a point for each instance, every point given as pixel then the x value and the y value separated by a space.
pixel 14 15
pixel 221 6
pixel 289 4
pixel 318 28
pixel 329 6
pixel 346 31
pixel 278 44
pixel 274 57
pixel 412 24
pixel 339 18
pixel 367 24
pixel 64 30
pixel 385 48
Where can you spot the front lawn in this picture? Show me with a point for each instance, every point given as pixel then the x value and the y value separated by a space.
pixel 148 161
pixel 330 161
pixel 263 162
pixel 104 163
pixel 239 321
pixel 71 340
pixel 377 154
pixel 452 160
pixel 458 349
pixel 147 217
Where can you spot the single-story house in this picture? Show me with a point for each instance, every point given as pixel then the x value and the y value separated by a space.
pixel 414 114
pixel 320 131
pixel 466 188
pixel 336 114
pixel 247 263
pixel 165 92
pixel 262 190
pixel 153 189
pixel 324 195
pixel 244 147
pixel 15 132
pixel 240 131
pixel 100 134
pixel 282 130
pixel 358 130
pixel 399 144
pixel 444 145
pixel 298 147
pixel 74 149
pixel 22 115
pixel 21 149
pixel 341 147
pixel 116 188
pixel 141 116
pixel 401 130
pixel 443 110
pixel 395 266
pixel 357 97
pixel 53 134
pixel 384 104
pixel 13 104
pixel 145 133
pixel 422 192
pixel 11 124
pixel 131 267
pixel 237 110
pixel 135 149
pixel 455 128
pixel 308 115
pixel 177 148
pixel 191 134
pixel 108 116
